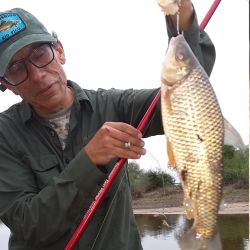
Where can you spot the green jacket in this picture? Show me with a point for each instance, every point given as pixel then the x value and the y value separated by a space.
pixel 45 191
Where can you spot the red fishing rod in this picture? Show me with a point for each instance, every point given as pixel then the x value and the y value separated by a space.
pixel 118 166
pixel 107 184
pixel 209 14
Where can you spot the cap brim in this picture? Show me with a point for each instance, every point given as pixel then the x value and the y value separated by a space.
pixel 19 44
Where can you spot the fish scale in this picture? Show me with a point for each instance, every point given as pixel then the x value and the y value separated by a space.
pixel 193 125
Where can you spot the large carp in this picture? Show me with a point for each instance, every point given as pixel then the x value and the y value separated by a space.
pixel 193 125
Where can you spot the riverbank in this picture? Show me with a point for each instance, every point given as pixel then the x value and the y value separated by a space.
pixel 235 200
pixel 230 208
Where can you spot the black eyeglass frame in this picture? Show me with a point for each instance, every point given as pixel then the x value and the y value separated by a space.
pixel 51 46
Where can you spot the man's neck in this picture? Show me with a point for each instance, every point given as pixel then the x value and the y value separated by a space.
pixel 59 108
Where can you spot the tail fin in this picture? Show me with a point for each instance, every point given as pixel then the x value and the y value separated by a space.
pixel 190 241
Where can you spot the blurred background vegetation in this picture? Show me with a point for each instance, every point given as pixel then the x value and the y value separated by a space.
pixel 142 181
pixel 236 171
pixel 236 166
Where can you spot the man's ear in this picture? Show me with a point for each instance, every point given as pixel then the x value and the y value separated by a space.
pixel 5 86
pixel 2 87
pixel 60 52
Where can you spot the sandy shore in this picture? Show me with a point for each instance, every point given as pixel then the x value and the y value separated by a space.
pixel 227 208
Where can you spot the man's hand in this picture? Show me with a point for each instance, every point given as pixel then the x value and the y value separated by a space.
pixel 186 15
pixel 115 139
pixel 169 7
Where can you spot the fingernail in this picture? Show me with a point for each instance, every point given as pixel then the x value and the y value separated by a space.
pixel 140 135
pixel 142 143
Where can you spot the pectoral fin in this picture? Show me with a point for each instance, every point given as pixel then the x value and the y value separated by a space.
pixel 166 101
pixel 171 157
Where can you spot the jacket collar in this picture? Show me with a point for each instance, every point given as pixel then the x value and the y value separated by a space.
pixel 26 111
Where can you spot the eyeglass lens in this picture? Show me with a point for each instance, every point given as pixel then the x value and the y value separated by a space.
pixel 40 57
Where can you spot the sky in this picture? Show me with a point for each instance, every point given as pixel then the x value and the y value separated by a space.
pixel 122 44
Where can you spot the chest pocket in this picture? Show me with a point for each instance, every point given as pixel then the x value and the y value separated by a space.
pixel 44 167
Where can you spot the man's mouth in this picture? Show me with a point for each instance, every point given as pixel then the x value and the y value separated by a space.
pixel 47 90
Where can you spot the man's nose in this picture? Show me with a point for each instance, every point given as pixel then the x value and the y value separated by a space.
pixel 34 73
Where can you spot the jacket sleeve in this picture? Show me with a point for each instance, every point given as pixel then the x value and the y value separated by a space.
pixel 43 217
pixel 198 40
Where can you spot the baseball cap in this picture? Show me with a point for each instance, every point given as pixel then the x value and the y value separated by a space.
pixel 19 28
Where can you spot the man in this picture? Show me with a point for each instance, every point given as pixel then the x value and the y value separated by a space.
pixel 59 144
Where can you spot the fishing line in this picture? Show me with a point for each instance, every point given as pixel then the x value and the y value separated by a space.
pixel 155 159
pixel 159 167
pixel 116 192
pixel 178 17
pixel 163 212
pixel 145 121
pixel 178 22
pixel 106 215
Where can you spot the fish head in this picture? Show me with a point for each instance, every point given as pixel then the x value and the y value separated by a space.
pixel 178 62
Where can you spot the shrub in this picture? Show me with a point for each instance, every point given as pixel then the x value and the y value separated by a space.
pixel 143 181
pixel 236 165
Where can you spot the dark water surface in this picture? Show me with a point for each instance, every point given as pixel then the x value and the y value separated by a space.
pixel 157 235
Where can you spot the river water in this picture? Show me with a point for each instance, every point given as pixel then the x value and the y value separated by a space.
pixel 160 232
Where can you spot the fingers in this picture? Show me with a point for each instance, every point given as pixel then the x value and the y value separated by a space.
pixel 115 139
pixel 169 7
pixel 126 140
pixel 132 152
pixel 124 133
pixel 125 128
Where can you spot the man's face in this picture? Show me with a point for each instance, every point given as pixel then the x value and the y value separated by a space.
pixel 45 88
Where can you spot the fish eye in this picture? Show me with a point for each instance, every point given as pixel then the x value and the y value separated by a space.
pixel 180 56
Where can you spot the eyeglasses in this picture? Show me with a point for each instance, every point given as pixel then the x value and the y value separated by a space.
pixel 40 57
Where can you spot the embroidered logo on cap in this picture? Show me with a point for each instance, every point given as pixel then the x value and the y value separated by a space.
pixel 10 25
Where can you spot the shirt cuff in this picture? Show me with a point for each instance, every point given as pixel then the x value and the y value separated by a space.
pixel 84 173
